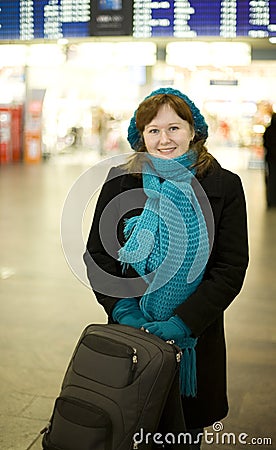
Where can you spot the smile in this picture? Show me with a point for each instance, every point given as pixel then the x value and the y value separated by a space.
pixel 166 150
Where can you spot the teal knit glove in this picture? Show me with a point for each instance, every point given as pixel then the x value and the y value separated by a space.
pixel 172 329
pixel 128 312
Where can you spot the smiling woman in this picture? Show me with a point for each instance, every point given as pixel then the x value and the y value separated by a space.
pixel 151 213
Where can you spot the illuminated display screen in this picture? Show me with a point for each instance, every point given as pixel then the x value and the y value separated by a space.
pixel 44 19
pixel 54 19
pixel 182 18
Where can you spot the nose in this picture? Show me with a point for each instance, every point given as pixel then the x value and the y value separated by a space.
pixel 164 137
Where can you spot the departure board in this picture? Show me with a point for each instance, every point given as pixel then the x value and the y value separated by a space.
pixel 189 19
pixel 44 19
pixel 54 19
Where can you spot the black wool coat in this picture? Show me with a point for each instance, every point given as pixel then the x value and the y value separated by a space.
pixel 203 311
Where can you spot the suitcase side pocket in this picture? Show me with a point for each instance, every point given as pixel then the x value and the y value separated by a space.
pixel 97 355
pixel 76 423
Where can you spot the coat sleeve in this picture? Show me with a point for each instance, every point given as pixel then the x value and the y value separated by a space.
pixel 226 268
pixel 102 245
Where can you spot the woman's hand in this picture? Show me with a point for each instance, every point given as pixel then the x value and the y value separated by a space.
pixel 174 328
pixel 128 312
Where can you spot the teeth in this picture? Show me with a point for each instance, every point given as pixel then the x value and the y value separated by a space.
pixel 166 150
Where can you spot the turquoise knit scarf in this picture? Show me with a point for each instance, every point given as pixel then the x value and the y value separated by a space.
pixel 168 247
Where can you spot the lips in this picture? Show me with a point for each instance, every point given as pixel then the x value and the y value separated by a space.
pixel 166 150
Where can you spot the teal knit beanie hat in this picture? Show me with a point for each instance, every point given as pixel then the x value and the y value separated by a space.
pixel 200 126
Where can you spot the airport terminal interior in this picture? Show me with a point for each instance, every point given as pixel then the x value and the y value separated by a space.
pixel 64 111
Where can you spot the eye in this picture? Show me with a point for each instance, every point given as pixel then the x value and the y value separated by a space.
pixel 174 128
pixel 153 131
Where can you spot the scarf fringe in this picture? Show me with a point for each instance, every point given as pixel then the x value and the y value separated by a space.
pixel 129 225
pixel 188 382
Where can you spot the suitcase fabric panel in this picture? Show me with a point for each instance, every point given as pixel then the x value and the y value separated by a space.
pixel 77 424
pixel 105 361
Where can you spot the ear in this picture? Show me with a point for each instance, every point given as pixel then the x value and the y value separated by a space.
pixel 192 133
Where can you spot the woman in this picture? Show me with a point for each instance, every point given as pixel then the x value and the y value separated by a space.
pixel 192 263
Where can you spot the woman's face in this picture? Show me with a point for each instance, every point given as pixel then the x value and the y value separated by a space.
pixel 167 135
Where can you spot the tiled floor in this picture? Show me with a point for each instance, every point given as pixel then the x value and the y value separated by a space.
pixel 44 307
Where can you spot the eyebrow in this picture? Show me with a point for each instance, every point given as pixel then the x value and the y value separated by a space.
pixel 169 124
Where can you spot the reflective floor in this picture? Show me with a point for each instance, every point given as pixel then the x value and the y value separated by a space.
pixel 44 306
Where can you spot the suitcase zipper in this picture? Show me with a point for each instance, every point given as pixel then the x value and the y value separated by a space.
pixel 134 364
pixel 179 352
pixel 134 357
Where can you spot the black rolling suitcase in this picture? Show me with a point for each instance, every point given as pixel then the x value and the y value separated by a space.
pixel 120 385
